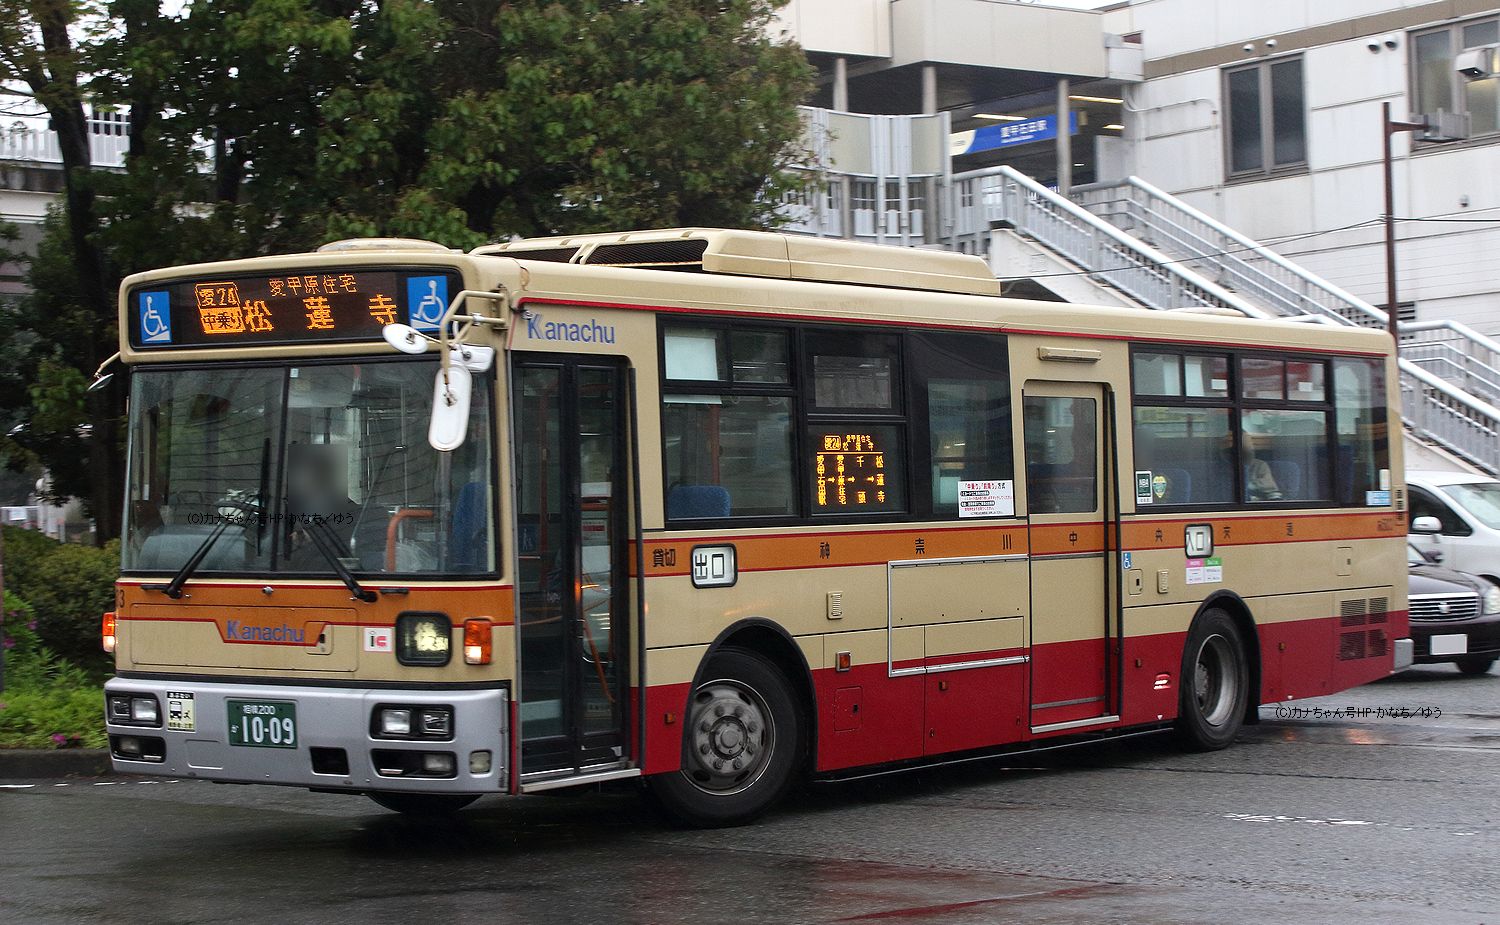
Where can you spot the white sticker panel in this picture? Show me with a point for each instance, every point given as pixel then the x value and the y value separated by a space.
pixel 380 639
pixel 1205 571
pixel 995 498
pixel 181 716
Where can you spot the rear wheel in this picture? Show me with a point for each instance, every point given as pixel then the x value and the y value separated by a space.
pixel 742 744
pixel 1476 664
pixel 423 804
pixel 1215 683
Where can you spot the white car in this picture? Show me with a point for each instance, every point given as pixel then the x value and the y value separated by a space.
pixel 1456 514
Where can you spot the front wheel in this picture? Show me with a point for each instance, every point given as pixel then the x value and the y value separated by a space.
pixel 423 804
pixel 742 744
pixel 1215 683
pixel 1476 664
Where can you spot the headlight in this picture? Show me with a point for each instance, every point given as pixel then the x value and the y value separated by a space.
pixel 133 710
pixel 1492 599
pixel 423 639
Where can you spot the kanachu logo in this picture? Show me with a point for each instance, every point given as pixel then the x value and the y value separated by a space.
pixel 235 631
pixel 588 332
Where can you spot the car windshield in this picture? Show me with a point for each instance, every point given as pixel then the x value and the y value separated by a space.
pixel 1482 499
pixel 296 466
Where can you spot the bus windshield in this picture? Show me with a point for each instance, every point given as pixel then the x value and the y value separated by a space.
pixel 291 468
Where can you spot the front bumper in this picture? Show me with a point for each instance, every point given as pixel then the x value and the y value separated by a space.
pixel 334 748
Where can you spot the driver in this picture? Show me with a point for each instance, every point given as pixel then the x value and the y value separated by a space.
pixel 317 496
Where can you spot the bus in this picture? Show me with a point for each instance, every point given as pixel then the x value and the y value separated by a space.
pixel 721 510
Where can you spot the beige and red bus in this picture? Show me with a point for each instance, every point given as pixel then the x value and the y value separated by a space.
pixel 720 510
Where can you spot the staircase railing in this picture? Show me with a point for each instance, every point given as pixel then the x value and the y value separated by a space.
pixel 1165 254
pixel 1108 255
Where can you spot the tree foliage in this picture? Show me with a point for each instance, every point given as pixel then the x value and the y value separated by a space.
pixel 263 126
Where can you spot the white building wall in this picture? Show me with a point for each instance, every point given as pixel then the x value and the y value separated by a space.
pixel 1176 125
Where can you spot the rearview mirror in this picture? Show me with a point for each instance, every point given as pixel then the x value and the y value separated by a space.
pixel 450 408
pixel 1426 524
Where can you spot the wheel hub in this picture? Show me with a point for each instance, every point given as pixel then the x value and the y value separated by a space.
pixel 731 736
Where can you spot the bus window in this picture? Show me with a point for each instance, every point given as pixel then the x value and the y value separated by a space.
pixel 1185 454
pixel 1062 455
pixel 961 395
pixel 1364 456
pixel 728 456
pixel 1284 454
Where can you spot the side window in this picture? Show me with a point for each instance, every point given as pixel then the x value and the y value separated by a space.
pixel 1425 505
pixel 961 399
pixel 727 413
pixel 856 433
pixel 1183 428
pixel 1284 430
pixel 1062 455
pixel 1363 460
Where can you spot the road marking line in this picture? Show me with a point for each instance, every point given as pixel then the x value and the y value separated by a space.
pixel 17 786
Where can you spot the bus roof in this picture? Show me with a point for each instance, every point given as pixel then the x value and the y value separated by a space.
pixel 766 254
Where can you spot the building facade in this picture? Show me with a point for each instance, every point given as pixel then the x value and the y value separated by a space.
pixel 1267 116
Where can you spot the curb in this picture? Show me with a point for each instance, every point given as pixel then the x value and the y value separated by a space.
pixel 18 763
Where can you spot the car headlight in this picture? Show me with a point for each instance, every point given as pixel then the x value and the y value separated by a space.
pixel 1492 599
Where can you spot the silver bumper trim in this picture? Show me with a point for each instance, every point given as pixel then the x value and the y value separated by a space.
pixel 1403 652
pixel 328 718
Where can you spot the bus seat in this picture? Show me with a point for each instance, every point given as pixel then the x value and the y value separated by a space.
pixel 1179 485
pixel 469 539
pixel 698 501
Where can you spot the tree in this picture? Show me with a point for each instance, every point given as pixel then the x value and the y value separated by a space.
pixel 261 126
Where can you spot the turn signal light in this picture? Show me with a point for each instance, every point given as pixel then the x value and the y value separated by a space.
pixel 107 632
pixel 478 641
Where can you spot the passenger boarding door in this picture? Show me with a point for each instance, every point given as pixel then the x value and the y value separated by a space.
pixel 573 492
pixel 1069 491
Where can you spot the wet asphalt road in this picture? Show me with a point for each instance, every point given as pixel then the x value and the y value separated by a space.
pixel 1307 819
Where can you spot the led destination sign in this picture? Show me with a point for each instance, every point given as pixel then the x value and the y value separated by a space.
pixel 851 471
pixel 285 308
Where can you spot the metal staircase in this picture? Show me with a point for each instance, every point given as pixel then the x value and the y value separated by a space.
pixel 1162 253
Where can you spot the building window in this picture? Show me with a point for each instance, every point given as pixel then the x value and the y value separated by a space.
pixel 1267 122
pixel 1439 86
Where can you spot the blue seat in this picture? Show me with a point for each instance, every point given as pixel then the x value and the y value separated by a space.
pixel 689 502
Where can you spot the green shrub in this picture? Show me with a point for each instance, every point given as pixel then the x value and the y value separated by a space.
pixel 59 717
pixel 47 702
pixel 69 587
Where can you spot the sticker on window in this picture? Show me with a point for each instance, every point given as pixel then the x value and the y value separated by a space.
pixel 1143 486
pixel 995 498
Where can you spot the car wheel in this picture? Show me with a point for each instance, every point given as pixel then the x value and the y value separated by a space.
pixel 1215 683
pixel 1476 664
pixel 423 804
pixel 742 744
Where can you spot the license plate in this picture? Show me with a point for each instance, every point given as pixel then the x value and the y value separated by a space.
pixel 1450 644
pixel 263 723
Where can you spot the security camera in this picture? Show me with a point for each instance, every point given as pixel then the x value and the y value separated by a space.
pixel 1474 64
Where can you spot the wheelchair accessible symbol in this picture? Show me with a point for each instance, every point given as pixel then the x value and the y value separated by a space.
pixel 156 317
pixel 426 300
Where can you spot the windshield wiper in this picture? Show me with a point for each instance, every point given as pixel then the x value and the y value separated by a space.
pixel 322 537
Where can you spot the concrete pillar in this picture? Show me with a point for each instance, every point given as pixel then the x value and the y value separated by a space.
pixel 1064 140
pixel 929 89
pixel 841 84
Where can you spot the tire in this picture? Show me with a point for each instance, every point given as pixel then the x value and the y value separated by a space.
pixel 1475 664
pixel 423 804
pixel 1215 683
pixel 744 711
